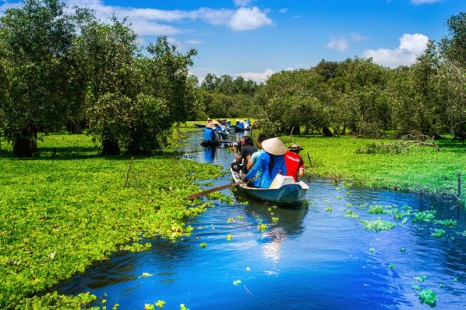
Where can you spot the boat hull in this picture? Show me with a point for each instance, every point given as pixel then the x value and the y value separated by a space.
pixel 289 194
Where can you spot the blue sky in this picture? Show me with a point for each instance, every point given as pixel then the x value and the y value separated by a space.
pixel 255 38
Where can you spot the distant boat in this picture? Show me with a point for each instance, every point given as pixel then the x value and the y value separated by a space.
pixel 282 191
pixel 199 125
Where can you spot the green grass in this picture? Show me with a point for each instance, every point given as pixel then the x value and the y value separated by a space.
pixel 61 213
pixel 422 169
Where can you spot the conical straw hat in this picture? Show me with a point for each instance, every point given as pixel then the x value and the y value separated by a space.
pixel 274 146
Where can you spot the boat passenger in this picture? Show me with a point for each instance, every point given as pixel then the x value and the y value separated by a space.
pixel 294 162
pixel 209 133
pixel 272 163
pixel 247 149
pixel 253 158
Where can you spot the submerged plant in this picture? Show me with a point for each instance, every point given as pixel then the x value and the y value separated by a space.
pixel 420 279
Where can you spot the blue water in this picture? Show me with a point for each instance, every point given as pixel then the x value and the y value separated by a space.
pixel 307 258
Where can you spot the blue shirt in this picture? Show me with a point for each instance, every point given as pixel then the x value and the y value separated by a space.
pixel 209 134
pixel 263 162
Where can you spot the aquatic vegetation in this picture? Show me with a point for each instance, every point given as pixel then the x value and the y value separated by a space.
pixel 403 250
pixel 248 269
pixel 424 216
pixel 447 222
pixel 420 279
pixel 203 245
pixel 239 217
pixel 230 220
pixel 160 303
pixel 145 274
pixel 438 233
pixel 349 205
pixel 262 227
pixel 183 307
pixel 275 219
pixel 377 210
pixel 329 209
pixel 377 225
pixel 372 250
pixel 391 265
pixel 229 236
pixel 237 282
pixel 428 296
pixel 351 214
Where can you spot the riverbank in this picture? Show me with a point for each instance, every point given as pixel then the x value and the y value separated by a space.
pixel 70 207
pixel 398 165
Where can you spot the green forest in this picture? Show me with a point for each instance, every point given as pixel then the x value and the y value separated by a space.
pixel 64 69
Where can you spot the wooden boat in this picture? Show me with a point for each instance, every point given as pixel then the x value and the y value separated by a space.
pixel 206 143
pixel 199 125
pixel 282 191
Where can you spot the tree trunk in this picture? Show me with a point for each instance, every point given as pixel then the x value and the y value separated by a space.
pixel 326 132
pixel 24 147
pixel 110 147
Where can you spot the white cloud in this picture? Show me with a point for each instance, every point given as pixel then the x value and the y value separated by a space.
pixel 257 77
pixel 248 19
pixel 357 37
pixel 420 2
pixel 242 2
pixel 284 10
pixel 194 42
pixel 411 46
pixel 338 43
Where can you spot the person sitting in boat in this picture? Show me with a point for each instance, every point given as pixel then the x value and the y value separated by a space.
pixel 217 126
pixel 253 158
pixel 272 163
pixel 247 149
pixel 239 124
pixel 294 162
pixel 246 125
pixel 210 134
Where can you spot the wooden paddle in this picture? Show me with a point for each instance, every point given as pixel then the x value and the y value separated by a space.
pixel 218 188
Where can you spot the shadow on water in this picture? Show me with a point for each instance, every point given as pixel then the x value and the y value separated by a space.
pixel 253 255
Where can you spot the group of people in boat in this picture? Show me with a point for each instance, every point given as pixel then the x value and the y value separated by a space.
pixel 261 164
pixel 216 130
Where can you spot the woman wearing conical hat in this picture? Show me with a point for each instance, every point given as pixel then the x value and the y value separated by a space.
pixel 272 163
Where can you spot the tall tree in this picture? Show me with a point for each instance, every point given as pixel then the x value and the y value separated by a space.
pixel 35 41
pixel 454 47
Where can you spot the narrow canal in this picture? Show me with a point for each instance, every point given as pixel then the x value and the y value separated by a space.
pixel 319 256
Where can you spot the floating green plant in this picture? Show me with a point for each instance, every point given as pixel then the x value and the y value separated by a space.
pixel 403 250
pixel 183 307
pixel 160 303
pixel 203 244
pixel 428 296
pixel 329 209
pixel 391 265
pixel 424 216
pixel 230 220
pixel 447 222
pixel 145 274
pixel 239 217
pixel 376 210
pixel 438 233
pixel 262 227
pixel 351 214
pixel 377 225
pixel 229 236
pixel 372 250
pixel 420 279
pixel 237 282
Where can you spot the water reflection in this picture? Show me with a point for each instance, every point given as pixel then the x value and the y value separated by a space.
pixel 210 153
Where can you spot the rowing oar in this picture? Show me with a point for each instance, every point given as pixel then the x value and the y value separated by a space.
pixel 218 188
